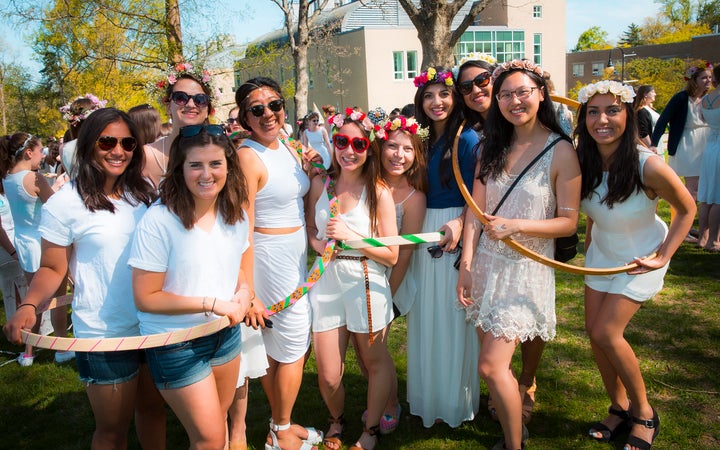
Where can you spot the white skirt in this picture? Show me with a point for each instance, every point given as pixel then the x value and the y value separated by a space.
pixel 253 359
pixel 442 347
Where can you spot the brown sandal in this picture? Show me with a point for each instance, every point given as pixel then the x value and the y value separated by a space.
pixel 335 439
pixel 528 401
pixel 372 431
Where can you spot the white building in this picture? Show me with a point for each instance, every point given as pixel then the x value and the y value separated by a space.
pixel 376 52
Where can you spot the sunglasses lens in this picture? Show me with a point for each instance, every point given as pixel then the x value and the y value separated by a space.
pixel 360 144
pixel 201 99
pixel 465 87
pixel 180 98
pixel 257 110
pixel 214 130
pixel 231 120
pixel 482 80
pixel 194 130
pixel 435 251
pixel 128 143
pixel 276 105
pixel 341 141
pixel 107 142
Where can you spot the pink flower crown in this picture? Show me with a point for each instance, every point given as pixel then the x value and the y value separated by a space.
pixel 382 130
pixel 176 72
pixel 695 69
pixel 433 76
pixel 338 120
pixel 516 64
pixel 76 115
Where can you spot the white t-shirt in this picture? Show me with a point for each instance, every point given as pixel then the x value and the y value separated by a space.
pixel 195 262
pixel 103 304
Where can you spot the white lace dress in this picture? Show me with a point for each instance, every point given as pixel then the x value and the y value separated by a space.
pixel 514 296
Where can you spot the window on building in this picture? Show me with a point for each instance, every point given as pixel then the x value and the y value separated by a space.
pixel 398 67
pixel 537 48
pixel 537 11
pixel 503 45
pixel 597 69
pixel 578 70
pixel 411 59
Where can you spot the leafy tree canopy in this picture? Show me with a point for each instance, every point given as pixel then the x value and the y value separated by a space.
pixel 594 38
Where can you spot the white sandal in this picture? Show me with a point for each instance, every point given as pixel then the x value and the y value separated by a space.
pixel 307 443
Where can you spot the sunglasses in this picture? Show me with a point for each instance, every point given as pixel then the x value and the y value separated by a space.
pixel 274 106
pixel 232 120
pixel 181 98
pixel 359 144
pixel 436 251
pixel 194 130
pixel 482 80
pixel 107 143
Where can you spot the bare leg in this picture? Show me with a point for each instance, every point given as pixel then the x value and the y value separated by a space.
pixel 391 408
pixel 330 349
pixel 713 242
pixel 237 413
pixel 112 406
pixel 150 422
pixel 704 227
pixel 494 368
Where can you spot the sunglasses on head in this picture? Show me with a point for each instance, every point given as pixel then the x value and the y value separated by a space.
pixel 482 80
pixel 359 144
pixel 194 130
pixel 274 106
pixel 108 143
pixel 181 98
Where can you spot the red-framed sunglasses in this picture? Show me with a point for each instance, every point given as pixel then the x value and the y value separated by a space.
pixel 359 144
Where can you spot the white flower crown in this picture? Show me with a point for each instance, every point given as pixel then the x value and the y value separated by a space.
pixel 625 92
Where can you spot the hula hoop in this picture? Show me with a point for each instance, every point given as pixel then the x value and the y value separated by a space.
pixel 402 239
pixel 514 244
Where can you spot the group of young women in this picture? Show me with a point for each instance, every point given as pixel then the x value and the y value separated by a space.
pixel 229 233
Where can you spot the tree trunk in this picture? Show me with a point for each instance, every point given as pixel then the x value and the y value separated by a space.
pixel 174 31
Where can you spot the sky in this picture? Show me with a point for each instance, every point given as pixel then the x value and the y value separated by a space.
pixel 249 19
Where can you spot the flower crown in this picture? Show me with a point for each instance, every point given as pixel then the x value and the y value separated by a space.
pixel 180 70
pixel 338 120
pixel 433 76
pixel 478 56
pixel 625 92
pixel 382 130
pixel 77 114
pixel 516 64
pixel 695 69
pixel 377 115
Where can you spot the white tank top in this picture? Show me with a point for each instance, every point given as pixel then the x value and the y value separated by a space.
pixel 357 219
pixel 279 203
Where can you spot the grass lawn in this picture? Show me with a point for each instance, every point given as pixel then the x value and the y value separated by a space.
pixel 676 337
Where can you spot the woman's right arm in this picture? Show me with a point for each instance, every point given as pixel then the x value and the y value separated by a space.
pixel 316 190
pixel 662 121
pixel 53 267
pixel 471 237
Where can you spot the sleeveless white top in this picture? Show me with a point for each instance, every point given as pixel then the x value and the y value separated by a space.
pixel 357 219
pixel 279 203
pixel 25 210
pixel 316 141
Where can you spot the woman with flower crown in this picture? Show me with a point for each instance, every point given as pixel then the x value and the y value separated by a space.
pixel 509 297
pixel 187 93
pixel 353 296
pixel 621 185
pixel 475 85
pixel 277 184
pixel 75 114
pixel 442 380
pixel 688 133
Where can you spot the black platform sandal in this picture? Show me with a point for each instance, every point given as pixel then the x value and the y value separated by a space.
pixel 607 434
pixel 653 424
pixel 372 431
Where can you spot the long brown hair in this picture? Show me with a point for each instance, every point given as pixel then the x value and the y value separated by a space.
pixel 416 173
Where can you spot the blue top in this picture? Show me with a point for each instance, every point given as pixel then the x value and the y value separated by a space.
pixel 440 196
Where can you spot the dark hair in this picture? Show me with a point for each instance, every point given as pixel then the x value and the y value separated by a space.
pixel 131 186
pixel 407 110
pixel 242 93
pixel 370 171
pixel 474 118
pixel 499 132
pixel 312 115
pixel 175 194
pixel 11 147
pixel 455 119
pixel 640 94
pixel 416 173
pixel 204 86
pixel 77 107
pixel 624 172
pixel 147 120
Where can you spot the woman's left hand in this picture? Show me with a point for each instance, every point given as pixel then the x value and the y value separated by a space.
pixel 256 314
pixel 500 228
pixel 453 233
pixel 647 264
pixel 309 156
pixel 337 229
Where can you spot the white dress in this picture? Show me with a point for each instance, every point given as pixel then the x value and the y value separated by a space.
pixel 709 188
pixel 405 295
pixel 687 160
pixel 514 296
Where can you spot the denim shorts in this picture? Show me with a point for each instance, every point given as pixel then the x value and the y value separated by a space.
pixel 108 367
pixel 178 365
